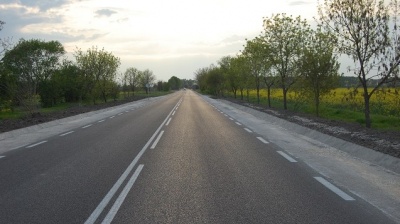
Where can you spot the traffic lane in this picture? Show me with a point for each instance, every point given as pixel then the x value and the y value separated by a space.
pixel 210 170
pixel 63 180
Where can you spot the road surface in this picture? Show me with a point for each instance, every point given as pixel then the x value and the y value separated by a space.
pixel 177 160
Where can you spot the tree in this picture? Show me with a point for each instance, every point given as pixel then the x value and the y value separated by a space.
pixel 215 80
pixel 132 75
pixel 34 61
pixel 285 37
pixel 98 69
pixel 319 67
pixel 364 34
pixel 254 54
pixel 174 83
pixel 147 80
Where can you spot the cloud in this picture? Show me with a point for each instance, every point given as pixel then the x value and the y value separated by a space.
pixel 299 2
pixel 105 12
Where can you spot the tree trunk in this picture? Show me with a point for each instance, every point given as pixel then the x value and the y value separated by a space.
pixel 258 94
pixel 317 105
pixel 269 96
pixel 248 99
pixel 284 99
pixel 367 108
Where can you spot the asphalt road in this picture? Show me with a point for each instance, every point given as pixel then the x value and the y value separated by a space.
pixel 178 160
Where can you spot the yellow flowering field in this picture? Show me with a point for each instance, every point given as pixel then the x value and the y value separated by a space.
pixel 385 101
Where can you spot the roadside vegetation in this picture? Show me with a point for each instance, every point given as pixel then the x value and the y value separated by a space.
pixel 37 78
pixel 294 66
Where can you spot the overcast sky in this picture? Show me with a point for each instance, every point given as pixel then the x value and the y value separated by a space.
pixel 169 37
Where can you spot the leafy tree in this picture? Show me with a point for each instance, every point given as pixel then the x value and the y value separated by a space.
pixel 33 61
pixel 175 83
pixel 364 34
pixel 240 74
pixel 99 68
pixel 285 37
pixel 319 67
pixel 255 57
pixel 215 80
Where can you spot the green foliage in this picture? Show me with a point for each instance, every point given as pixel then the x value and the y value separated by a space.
pixel 174 83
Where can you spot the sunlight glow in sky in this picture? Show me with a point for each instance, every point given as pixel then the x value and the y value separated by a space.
pixel 174 37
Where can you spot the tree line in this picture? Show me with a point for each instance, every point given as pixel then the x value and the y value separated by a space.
pixel 290 54
pixel 35 73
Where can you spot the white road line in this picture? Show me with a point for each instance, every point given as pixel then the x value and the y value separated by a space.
pixel 117 204
pixel 334 189
pixel 222 112
pixel 248 130
pixel 120 114
pixel 231 119
pixel 87 126
pixel 112 117
pixel 2 157
pixel 263 140
pixel 173 113
pixel 36 144
pixel 238 123
pixel 101 121
pixel 99 209
pixel 169 120
pixel 287 157
pixel 157 139
pixel 226 115
pixel 127 111
pixel 66 133
pixel 19 147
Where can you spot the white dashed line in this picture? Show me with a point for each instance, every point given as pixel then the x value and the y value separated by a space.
pixel 39 143
pixel 231 119
pixel 112 117
pixel 120 114
pixel 238 123
pixel 169 120
pixel 87 126
pixel 127 111
pixel 173 113
pixel 101 121
pixel 287 157
pixel 248 130
pixel 263 140
pixel 66 133
pixel 157 139
pixel 2 157
pixel 334 189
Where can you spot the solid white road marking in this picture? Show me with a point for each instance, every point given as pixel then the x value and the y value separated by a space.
pixel 238 123
pixel 36 144
pixel 263 140
pixel 248 130
pixel 287 157
pixel 87 126
pixel 157 139
pixel 117 204
pixel 99 209
pixel 334 189
pixel 101 121
pixel 66 133
pixel 169 120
